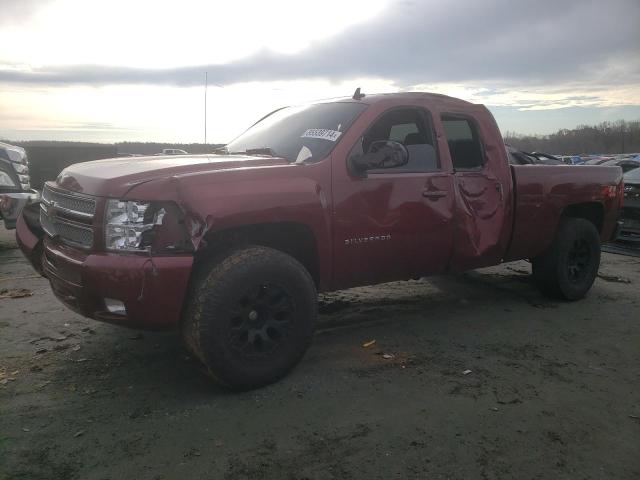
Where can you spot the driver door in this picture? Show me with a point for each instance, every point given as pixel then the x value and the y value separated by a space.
pixel 394 223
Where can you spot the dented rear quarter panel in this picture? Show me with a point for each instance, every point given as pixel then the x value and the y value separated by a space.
pixel 544 192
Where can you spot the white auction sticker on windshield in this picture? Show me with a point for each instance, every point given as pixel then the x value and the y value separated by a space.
pixel 324 133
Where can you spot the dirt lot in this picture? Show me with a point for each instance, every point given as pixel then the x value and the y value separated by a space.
pixel 553 389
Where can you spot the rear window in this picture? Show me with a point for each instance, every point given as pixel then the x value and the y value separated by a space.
pixel 464 143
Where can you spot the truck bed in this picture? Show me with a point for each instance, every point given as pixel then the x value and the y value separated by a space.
pixel 544 192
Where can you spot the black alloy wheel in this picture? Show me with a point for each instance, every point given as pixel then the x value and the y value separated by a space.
pixel 578 259
pixel 251 316
pixel 570 265
pixel 261 320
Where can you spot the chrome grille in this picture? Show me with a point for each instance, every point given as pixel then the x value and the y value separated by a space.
pixel 65 215
pixel 20 164
pixel 68 232
pixel 46 223
pixel 72 233
pixel 74 204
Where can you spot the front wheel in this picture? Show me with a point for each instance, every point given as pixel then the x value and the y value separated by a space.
pixel 568 269
pixel 251 317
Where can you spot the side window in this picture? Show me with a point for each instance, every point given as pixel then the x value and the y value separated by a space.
pixel 464 143
pixel 400 131
pixel 412 128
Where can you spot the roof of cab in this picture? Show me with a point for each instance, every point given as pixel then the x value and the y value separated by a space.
pixel 370 99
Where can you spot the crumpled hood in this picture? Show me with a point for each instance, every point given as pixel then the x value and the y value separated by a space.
pixel 115 176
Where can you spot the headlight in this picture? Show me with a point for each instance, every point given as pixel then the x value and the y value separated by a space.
pixel 126 223
pixel 5 180
pixel 21 168
pixel 17 156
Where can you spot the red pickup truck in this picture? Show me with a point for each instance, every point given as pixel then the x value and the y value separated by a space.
pixel 232 247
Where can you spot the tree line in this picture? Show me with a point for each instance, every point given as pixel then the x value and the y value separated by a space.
pixel 136 148
pixel 607 137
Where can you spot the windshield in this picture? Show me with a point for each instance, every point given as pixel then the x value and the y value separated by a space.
pixel 299 134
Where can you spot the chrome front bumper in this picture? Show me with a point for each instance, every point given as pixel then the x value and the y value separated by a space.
pixel 11 204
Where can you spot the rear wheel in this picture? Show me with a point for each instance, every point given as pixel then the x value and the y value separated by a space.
pixel 251 317
pixel 568 269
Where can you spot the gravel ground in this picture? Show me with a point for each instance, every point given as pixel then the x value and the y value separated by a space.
pixel 7 238
pixel 482 378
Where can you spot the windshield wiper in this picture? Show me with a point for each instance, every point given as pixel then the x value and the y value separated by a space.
pixel 267 151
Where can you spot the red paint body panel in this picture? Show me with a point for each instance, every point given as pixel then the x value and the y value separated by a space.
pixel 114 177
pixel 151 288
pixel 226 199
pixel 545 191
pixel 388 204
pixel 380 227
pixel 484 198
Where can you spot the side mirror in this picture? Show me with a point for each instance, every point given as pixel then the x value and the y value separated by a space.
pixel 381 154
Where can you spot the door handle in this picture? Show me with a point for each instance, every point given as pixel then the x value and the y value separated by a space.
pixel 434 194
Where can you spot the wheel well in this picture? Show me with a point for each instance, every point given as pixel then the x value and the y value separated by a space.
pixel 292 238
pixel 591 211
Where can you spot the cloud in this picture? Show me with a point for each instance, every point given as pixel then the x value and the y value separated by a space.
pixel 416 42
pixel 18 11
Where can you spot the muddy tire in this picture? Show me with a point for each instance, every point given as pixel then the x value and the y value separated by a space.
pixel 251 317
pixel 568 269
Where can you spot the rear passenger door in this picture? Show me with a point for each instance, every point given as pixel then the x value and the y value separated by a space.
pixel 482 180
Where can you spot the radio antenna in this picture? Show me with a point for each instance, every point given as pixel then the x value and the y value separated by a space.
pixel 206 81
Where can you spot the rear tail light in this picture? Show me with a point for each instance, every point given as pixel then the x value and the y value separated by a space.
pixel 611 191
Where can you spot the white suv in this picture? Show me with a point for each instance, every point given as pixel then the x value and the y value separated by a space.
pixel 173 151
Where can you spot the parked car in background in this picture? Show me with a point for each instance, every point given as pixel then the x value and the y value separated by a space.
pixel 518 157
pixel 571 159
pixel 627 164
pixel 597 160
pixel 15 186
pixel 546 159
pixel 173 151
pixel 630 214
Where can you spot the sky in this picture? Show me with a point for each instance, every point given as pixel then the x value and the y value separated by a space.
pixel 124 70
